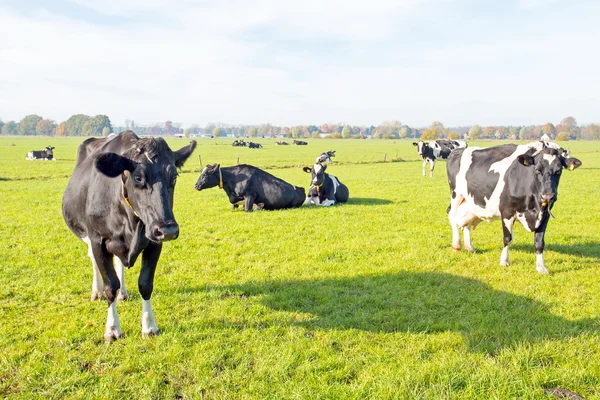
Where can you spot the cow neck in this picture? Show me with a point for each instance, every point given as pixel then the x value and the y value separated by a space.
pixel 220 179
pixel 124 194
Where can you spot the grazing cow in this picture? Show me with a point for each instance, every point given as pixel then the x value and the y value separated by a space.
pixel 300 143
pixel 252 145
pixel 325 157
pixel 119 201
pixel 239 143
pixel 251 185
pixel 325 189
pixel 45 154
pixel 431 151
pixel 281 143
pixel 505 182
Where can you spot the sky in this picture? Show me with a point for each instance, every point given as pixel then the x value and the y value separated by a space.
pixel 461 62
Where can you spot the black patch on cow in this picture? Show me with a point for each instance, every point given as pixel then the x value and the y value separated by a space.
pixel 481 182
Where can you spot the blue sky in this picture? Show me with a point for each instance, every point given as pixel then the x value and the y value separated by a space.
pixel 460 62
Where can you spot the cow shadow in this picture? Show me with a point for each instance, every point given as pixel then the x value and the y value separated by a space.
pixel 579 249
pixel 416 302
pixel 369 201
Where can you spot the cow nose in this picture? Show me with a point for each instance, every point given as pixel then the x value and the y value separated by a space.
pixel 169 231
pixel 547 198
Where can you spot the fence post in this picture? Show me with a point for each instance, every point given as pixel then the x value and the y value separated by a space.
pixel 384 157
pixel 238 161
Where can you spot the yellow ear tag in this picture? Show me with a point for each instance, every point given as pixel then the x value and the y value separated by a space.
pixel 571 167
pixel 525 162
pixel 544 204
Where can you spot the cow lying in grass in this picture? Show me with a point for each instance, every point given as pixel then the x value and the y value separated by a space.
pixel 251 185
pixel 45 154
pixel 325 189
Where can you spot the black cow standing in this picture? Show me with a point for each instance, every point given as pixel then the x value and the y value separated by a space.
pixel 506 182
pixel 119 201
pixel 325 189
pixel 251 185
pixel 45 154
pixel 431 151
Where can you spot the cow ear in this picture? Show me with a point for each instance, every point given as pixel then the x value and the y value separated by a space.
pixel 526 160
pixel 571 163
pixel 415 143
pixel 182 154
pixel 306 169
pixel 113 165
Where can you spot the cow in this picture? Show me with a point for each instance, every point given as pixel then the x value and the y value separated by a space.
pixel 325 189
pixel 431 151
pixel 300 143
pixel 119 201
pixel 508 182
pixel 325 157
pixel 252 185
pixel 252 145
pixel 45 154
pixel 281 143
pixel 239 143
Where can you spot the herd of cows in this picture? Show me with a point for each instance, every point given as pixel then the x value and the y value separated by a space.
pixel 119 200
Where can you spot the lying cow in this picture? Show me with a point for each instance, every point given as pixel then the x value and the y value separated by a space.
pixel 252 145
pixel 251 185
pixel 300 143
pixel 281 143
pixel 325 157
pixel 119 201
pixel 325 189
pixel 239 143
pixel 506 182
pixel 45 154
pixel 431 151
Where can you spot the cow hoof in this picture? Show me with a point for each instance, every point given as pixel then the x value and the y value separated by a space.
pixel 97 296
pixel 542 270
pixel 504 264
pixel 470 249
pixel 455 250
pixel 112 334
pixel 150 332
pixel 122 296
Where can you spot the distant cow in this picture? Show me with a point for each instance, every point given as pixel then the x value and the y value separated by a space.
pixel 325 157
pixel 506 182
pixel 252 145
pixel 325 189
pixel 431 151
pixel 251 185
pixel 45 154
pixel 239 143
pixel 119 201
pixel 300 143
pixel 281 143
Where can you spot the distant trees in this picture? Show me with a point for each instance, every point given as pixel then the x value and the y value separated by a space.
pixel 10 128
pixel 27 125
pixel 61 129
pixel 45 127
pixel 475 132
pixel 346 132
pixel 550 130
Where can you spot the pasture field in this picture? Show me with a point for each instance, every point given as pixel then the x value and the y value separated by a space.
pixel 360 300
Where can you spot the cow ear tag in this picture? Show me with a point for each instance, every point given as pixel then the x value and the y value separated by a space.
pixel 525 162
pixel 571 167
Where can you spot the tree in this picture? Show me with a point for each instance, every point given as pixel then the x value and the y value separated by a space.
pixel 439 129
pixel 549 130
pixel 296 132
pixel 404 131
pixel 501 132
pixel 218 132
pixel 489 131
pixel 75 124
pixel 106 131
pixel 562 137
pixel 453 135
pixel 513 132
pixel 45 127
pixel 252 132
pixel 61 129
pixel 95 125
pixel 27 125
pixel 1 125
pixel 346 132
pixel 569 125
pixel 429 134
pixel 475 132
pixel 168 127
pixel 10 128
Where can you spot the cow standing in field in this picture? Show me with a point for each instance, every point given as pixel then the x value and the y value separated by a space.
pixel 119 201
pixel 325 189
pixel 300 143
pixel 45 154
pixel 251 185
pixel 506 182
pixel 431 151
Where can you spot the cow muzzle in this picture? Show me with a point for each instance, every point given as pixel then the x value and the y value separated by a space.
pixel 547 199
pixel 164 232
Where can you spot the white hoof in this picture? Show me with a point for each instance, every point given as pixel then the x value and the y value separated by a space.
pixel 146 333
pixel 504 263
pixel 112 334
pixel 96 295
pixel 542 269
pixel 122 296
pixel 469 249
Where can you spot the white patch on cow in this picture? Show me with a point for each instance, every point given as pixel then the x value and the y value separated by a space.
pixel 508 223
pixel 431 166
pixel 461 144
pixel 113 325
pixel 203 170
pixel 549 157
pixel 467 238
pixel 328 203
pixel 436 148
pixel 523 221
pixel 149 327
pixel 540 265
pixel 29 156
pixel 97 284
pixel 120 270
pixel 335 182
pixel 424 164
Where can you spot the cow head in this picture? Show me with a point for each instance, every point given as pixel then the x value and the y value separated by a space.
pixel 317 172
pixel 149 172
pixel 209 177
pixel 547 165
pixel 325 157
pixel 421 146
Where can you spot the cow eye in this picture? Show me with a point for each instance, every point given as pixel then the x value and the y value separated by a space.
pixel 537 171
pixel 138 179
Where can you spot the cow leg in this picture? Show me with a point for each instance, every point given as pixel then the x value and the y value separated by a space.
pixel 454 205
pixel 540 265
pixel 507 227
pixel 97 285
pixel 467 238
pixel 249 199
pixel 146 286
pixel 328 203
pixel 431 166
pixel 120 270
pixel 424 165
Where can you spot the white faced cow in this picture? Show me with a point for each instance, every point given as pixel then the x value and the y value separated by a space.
pixel 45 154
pixel 431 151
pixel 506 182
pixel 119 201
pixel 325 189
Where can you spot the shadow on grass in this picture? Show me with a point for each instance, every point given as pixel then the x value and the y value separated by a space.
pixel 368 201
pixel 583 249
pixel 418 302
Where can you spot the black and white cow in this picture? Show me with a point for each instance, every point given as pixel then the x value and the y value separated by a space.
pixel 119 201
pixel 507 182
pixel 281 143
pixel 431 151
pixel 252 145
pixel 239 143
pixel 251 185
pixel 325 189
pixel 45 154
pixel 325 157
pixel 300 143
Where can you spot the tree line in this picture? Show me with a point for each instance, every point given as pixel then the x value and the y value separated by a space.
pixel 100 125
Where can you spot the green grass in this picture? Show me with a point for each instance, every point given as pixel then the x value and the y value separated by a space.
pixel 360 300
